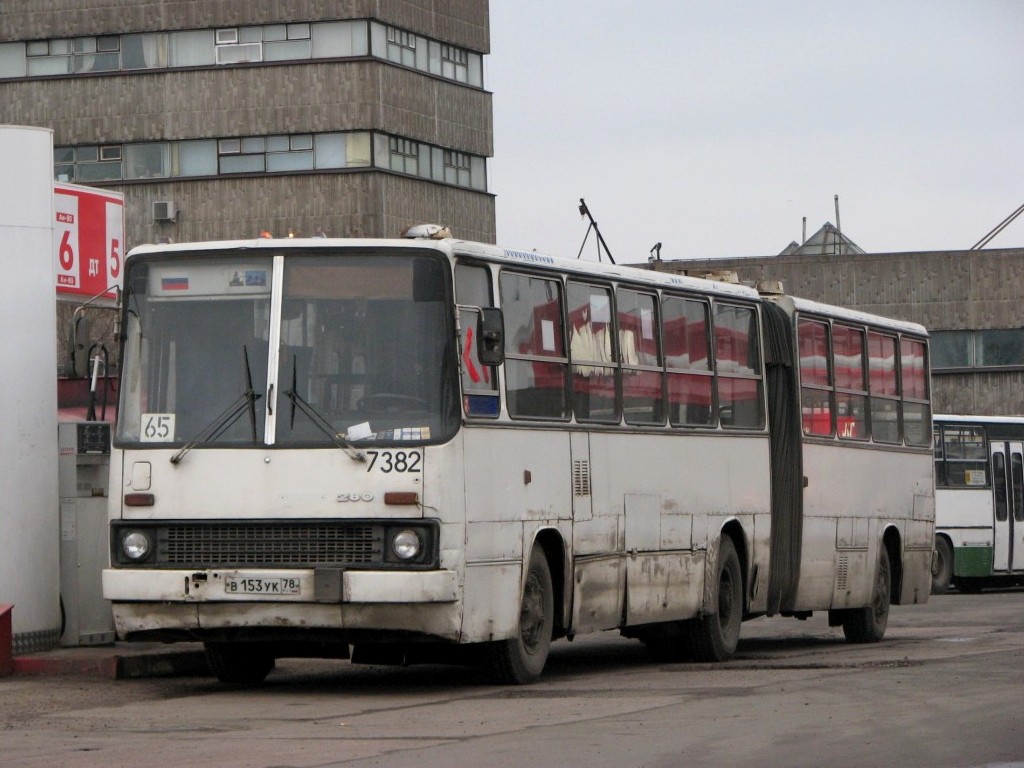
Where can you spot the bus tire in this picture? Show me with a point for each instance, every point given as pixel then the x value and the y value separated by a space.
pixel 867 625
pixel 521 659
pixel 714 636
pixel 238 663
pixel 942 567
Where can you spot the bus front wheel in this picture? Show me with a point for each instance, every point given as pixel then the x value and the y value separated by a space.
pixel 521 659
pixel 942 566
pixel 714 636
pixel 867 625
pixel 238 663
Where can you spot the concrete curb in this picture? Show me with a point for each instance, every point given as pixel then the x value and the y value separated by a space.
pixel 115 663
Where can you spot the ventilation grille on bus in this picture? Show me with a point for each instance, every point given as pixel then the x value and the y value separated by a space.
pixel 581 478
pixel 222 545
pixel 842 572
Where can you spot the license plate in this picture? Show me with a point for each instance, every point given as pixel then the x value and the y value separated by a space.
pixel 254 586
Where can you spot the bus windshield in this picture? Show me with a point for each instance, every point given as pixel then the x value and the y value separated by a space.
pixel 363 352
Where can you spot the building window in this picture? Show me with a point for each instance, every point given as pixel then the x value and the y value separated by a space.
pixel 97 54
pixel 339 39
pixel 239 45
pixel 457 168
pixel 284 42
pixel 49 57
pixel 146 161
pixel 404 156
pixel 401 47
pixel 86 164
pixel 258 154
pixel 988 348
pixel 454 63
pixel 242 155
pixel 290 153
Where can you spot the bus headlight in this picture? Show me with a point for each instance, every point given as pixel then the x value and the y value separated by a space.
pixel 135 545
pixel 406 544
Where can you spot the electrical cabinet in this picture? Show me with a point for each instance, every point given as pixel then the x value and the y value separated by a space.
pixel 83 476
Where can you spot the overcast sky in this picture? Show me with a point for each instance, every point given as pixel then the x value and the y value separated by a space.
pixel 715 127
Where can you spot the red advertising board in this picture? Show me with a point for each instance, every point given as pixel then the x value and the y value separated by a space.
pixel 88 240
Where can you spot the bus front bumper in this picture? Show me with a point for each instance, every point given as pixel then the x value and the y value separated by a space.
pixel 148 602
pixel 313 585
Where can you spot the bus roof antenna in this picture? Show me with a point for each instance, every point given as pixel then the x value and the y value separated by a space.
pixel 584 211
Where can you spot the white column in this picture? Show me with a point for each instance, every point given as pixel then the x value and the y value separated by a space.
pixel 29 510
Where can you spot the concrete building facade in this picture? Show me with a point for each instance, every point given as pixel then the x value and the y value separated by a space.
pixel 972 303
pixel 222 119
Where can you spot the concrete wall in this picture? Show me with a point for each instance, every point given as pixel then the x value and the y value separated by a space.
pixel 942 290
pixel 465 23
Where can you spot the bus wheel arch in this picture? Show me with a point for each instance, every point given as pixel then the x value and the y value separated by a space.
pixel 714 634
pixel 521 659
pixel 868 624
pixel 893 548
pixel 553 546
pixel 942 564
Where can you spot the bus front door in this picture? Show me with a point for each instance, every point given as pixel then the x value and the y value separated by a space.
pixel 1008 503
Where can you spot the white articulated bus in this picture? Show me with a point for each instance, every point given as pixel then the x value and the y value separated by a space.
pixel 979 502
pixel 401 450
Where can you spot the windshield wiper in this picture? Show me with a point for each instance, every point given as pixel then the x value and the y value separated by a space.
pixel 319 421
pixel 323 425
pixel 217 427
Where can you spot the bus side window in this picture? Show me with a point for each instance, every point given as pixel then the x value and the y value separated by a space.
pixel 592 349
pixel 815 377
pixel 640 356
pixel 688 360
pixel 535 355
pixel 738 367
pixel 851 382
pixel 940 459
pixel 884 388
pixel 963 462
pixel 479 381
pixel 914 379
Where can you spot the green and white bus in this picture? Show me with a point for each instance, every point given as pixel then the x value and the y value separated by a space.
pixel 979 502
pixel 423 448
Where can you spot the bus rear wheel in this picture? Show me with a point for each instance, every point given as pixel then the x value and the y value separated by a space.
pixel 521 659
pixel 867 625
pixel 238 663
pixel 942 566
pixel 713 637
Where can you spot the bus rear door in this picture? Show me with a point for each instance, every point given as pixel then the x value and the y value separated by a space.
pixel 1008 487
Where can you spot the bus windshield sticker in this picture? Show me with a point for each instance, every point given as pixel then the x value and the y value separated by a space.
pixel 975 477
pixel 157 427
pixel 360 431
pixel 547 330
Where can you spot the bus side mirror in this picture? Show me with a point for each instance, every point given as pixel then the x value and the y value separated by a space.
pixel 78 346
pixel 491 336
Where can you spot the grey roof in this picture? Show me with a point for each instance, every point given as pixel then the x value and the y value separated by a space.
pixel 827 241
